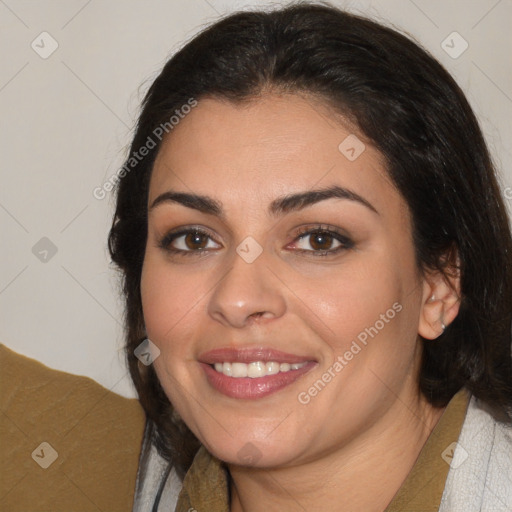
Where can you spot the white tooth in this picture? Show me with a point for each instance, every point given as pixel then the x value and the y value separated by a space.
pixel 256 369
pixel 239 369
pixel 226 369
pixel 272 368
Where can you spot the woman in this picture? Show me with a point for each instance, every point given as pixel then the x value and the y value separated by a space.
pixel 312 238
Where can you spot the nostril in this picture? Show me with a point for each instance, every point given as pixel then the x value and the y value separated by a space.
pixel 257 316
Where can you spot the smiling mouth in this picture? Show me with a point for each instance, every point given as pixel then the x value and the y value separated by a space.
pixel 252 373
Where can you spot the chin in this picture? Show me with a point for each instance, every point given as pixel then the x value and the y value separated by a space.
pixel 249 454
pixel 252 450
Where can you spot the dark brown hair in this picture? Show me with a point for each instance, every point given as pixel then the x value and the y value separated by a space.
pixel 414 113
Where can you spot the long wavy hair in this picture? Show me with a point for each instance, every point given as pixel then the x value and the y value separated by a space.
pixel 414 113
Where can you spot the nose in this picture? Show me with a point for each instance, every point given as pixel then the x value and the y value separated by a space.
pixel 248 292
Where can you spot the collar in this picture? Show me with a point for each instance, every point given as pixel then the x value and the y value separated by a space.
pixel 206 484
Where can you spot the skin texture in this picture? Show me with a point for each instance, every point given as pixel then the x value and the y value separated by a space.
pixel 362 432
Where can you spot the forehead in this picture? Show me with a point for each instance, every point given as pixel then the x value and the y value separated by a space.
pixel 269 146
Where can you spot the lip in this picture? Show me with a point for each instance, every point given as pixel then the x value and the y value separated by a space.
pixel 252 388
pixel 230 355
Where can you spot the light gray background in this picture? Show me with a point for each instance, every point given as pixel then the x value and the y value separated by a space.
pixel 67 121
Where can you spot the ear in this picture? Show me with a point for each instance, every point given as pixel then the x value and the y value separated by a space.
pixel 440 301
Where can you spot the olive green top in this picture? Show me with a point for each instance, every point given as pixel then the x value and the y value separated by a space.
pixel 206 484
pixel 66 443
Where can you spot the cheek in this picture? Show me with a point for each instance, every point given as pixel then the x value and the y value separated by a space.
pixel 366 317
pixel 350 300
pixel 170 300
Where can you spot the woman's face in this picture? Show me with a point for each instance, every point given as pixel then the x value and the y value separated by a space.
pixel 275 238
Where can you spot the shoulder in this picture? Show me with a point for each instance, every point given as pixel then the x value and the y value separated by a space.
pixel 88 437
pixel 480 475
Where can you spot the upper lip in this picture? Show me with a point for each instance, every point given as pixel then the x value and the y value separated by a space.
pixel 231 355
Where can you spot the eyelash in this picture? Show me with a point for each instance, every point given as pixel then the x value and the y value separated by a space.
pixel 166 241
pixel 345 242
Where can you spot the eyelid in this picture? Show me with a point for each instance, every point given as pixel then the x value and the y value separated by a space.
pixel 165 241
pixel 344 239
pixel 322 228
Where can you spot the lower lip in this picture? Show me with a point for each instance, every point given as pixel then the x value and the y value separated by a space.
pixel 259 387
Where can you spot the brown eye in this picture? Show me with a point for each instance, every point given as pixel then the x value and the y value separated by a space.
pixel 196 241
pixel 321 241
pixel 191 241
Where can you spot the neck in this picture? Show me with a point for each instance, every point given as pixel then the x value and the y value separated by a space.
pixel 363 474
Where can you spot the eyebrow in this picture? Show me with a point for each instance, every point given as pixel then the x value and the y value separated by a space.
pixel 280 206
pixel 204 204
pixel 299 201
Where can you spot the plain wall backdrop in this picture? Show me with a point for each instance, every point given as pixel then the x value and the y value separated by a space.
pixel 72 77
